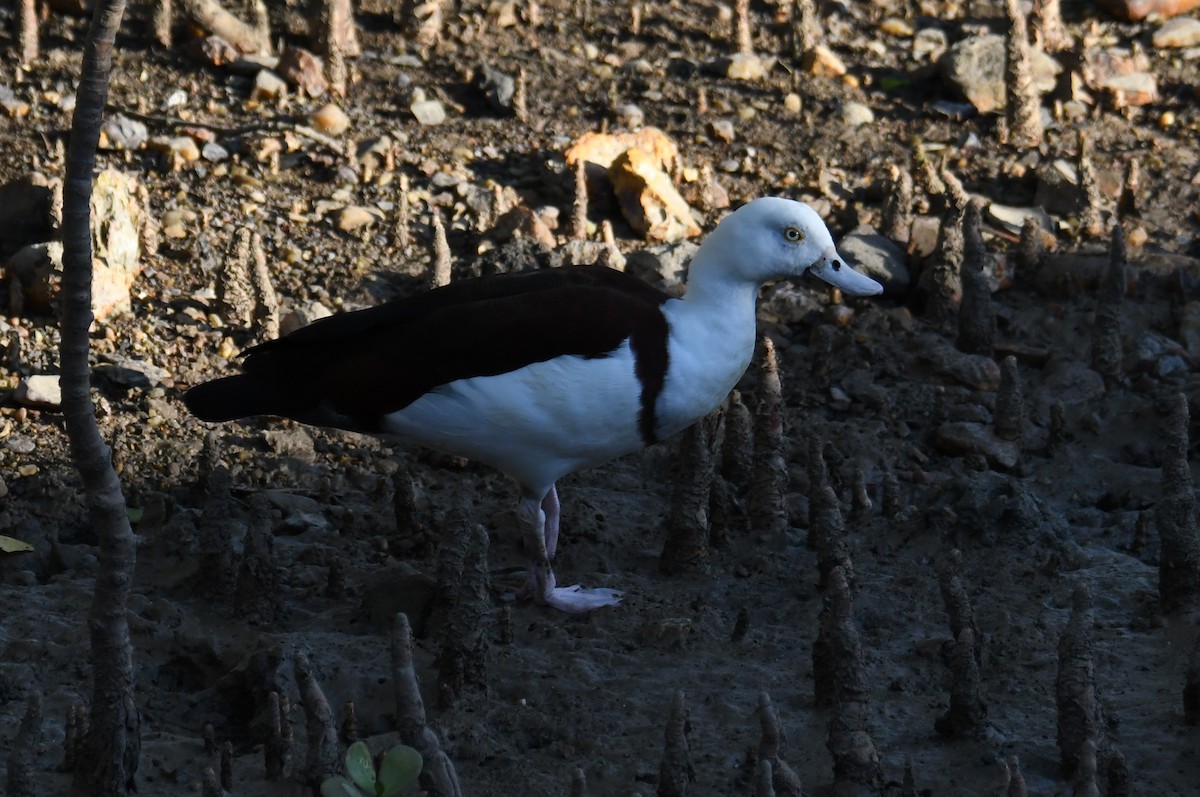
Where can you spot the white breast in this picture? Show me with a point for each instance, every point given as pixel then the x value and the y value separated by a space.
pixel 535 424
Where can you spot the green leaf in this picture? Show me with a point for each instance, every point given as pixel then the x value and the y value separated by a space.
pixel 398 770
pixel 360 766
pixel 135 514
pixel 339 787
pixel 888 83
pixel 11 545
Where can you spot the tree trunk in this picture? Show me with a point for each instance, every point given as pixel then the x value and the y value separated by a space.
pixel 108 757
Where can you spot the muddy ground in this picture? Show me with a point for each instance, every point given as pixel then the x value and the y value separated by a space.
pixel 592 692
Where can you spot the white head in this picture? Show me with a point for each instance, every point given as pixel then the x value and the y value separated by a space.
pixel 774 238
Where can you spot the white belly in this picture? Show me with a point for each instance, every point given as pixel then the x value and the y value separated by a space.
pixel 535 424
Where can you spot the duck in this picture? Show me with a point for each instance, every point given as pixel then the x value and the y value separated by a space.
pixel 543 373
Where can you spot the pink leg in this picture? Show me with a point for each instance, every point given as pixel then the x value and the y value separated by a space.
pixel 552 508
pixel 539 530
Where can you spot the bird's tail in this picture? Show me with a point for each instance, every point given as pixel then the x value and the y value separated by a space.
pixel 233 397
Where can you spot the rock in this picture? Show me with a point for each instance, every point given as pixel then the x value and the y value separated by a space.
pixel 793 103
pixel 745 66
pixel 648 199
pixel 302 69
pixel 120 132
pixel 118 214
pixel 823 62
pixel 1133 10
pixel 213 50
pixel 302 317
pixel 599 150
pixel 664 264
pixel 27 209
pixel 294 443
pixel 522 222
pixel 722 129
pixel 1057 187
pixel 1178 32
pixel 855 114
pixel 973 370
pixel 31 274
pixel 964 437
pixel 330 119
pixel 268 87
pixel 428 112
pixel 629 115
pixel 214 152
pixel 878 257
pixel 976 66
pixel 1068 382
pixel 177 149
pixel 1012 218
pixel 497 88
pixel 13 106
pixel 41 391
pixel 1133 89
pixel 128 372
pixel 353 217
pixel 575 253
pixel 895 26
pixel 929 44
pixel 1157 354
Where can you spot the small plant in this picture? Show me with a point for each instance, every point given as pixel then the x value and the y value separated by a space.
pixel 398 769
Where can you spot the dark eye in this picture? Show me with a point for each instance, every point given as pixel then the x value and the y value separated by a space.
pixel 793 234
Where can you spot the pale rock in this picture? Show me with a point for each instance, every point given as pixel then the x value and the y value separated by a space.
pixel 878 257
pixel 895 26
pixel 855 114
pixel 268 87
pixel 1178 32
pixel 41 391
pixel 722 129
pixel 793 103
pixel 1133 89
pixel 301 68
pixel 354 217
pixel 121 132
pixel 823 62
pixel 118 214
pixel 178 149
pixel 976 66
pixel 649 200
pixel 929 44
pixel 428 112
pixel 302 317
pixel 747 66
pixel 330 119
pixel 664 264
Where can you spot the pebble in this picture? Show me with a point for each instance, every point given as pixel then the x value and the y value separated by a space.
pixel 182 147
pixel 855 114
pixel 746 66
pixel 354 217
pixel 13 106
pixel 722 129
pixel 497 88
pixel 895 26
pixel 301 68
pixel 629 115
pixel 929 44
pixel 648 198
pixel 428 112
pixel 1178 32
pixel 823 62
pixel 121 132
pixel 214 152
pixel 793 103
pixel 1135 88
pixel 40 391
pixel 330 119
pixel 878 257
pixel 976 66
pixel 268 87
